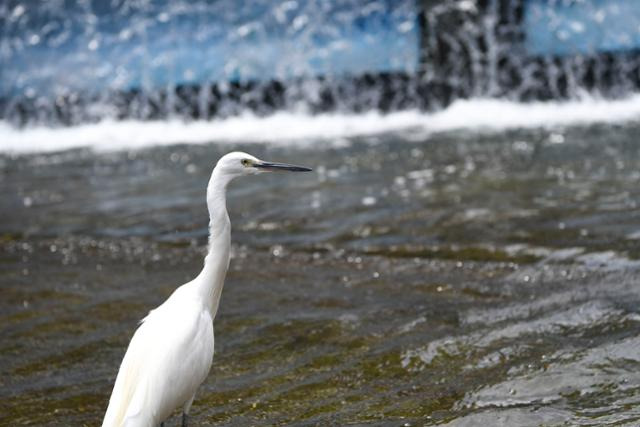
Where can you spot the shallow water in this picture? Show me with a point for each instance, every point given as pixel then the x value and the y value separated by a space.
pixel 454 279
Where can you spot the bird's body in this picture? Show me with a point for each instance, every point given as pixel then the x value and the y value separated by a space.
pixel 171 352
pixel 165 363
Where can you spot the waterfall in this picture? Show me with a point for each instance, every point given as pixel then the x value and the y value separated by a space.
pixel 73 62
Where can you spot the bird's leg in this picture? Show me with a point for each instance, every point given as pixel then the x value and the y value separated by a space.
pixel 185 410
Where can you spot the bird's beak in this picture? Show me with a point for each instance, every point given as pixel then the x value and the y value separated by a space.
pixel 271 166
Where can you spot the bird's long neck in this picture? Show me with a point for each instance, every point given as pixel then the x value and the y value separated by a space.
pixel 210 281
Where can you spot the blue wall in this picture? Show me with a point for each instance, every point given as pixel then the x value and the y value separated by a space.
pixel 565 27
pixel 119 45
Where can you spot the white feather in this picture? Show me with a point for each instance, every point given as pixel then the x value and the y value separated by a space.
pixel 168 358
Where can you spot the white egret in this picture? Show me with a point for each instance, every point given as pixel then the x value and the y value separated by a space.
pixel 171 352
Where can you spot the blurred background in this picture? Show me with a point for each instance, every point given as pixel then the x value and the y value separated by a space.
pixel 467 250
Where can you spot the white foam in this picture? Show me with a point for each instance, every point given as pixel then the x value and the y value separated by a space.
pixel 285 128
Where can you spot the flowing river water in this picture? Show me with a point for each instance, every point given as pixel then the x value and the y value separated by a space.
pixel 459 278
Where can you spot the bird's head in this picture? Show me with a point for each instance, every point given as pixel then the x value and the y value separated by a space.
pixel 238 163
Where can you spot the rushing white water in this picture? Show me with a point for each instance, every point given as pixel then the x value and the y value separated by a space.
pixel 286 128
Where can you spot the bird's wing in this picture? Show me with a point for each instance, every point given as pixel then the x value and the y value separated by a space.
pixel 127 379
pixel 168 357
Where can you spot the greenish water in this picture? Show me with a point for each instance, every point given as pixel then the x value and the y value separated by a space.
pixel 456 279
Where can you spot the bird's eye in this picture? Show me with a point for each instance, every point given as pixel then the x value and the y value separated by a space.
pixel 245 162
